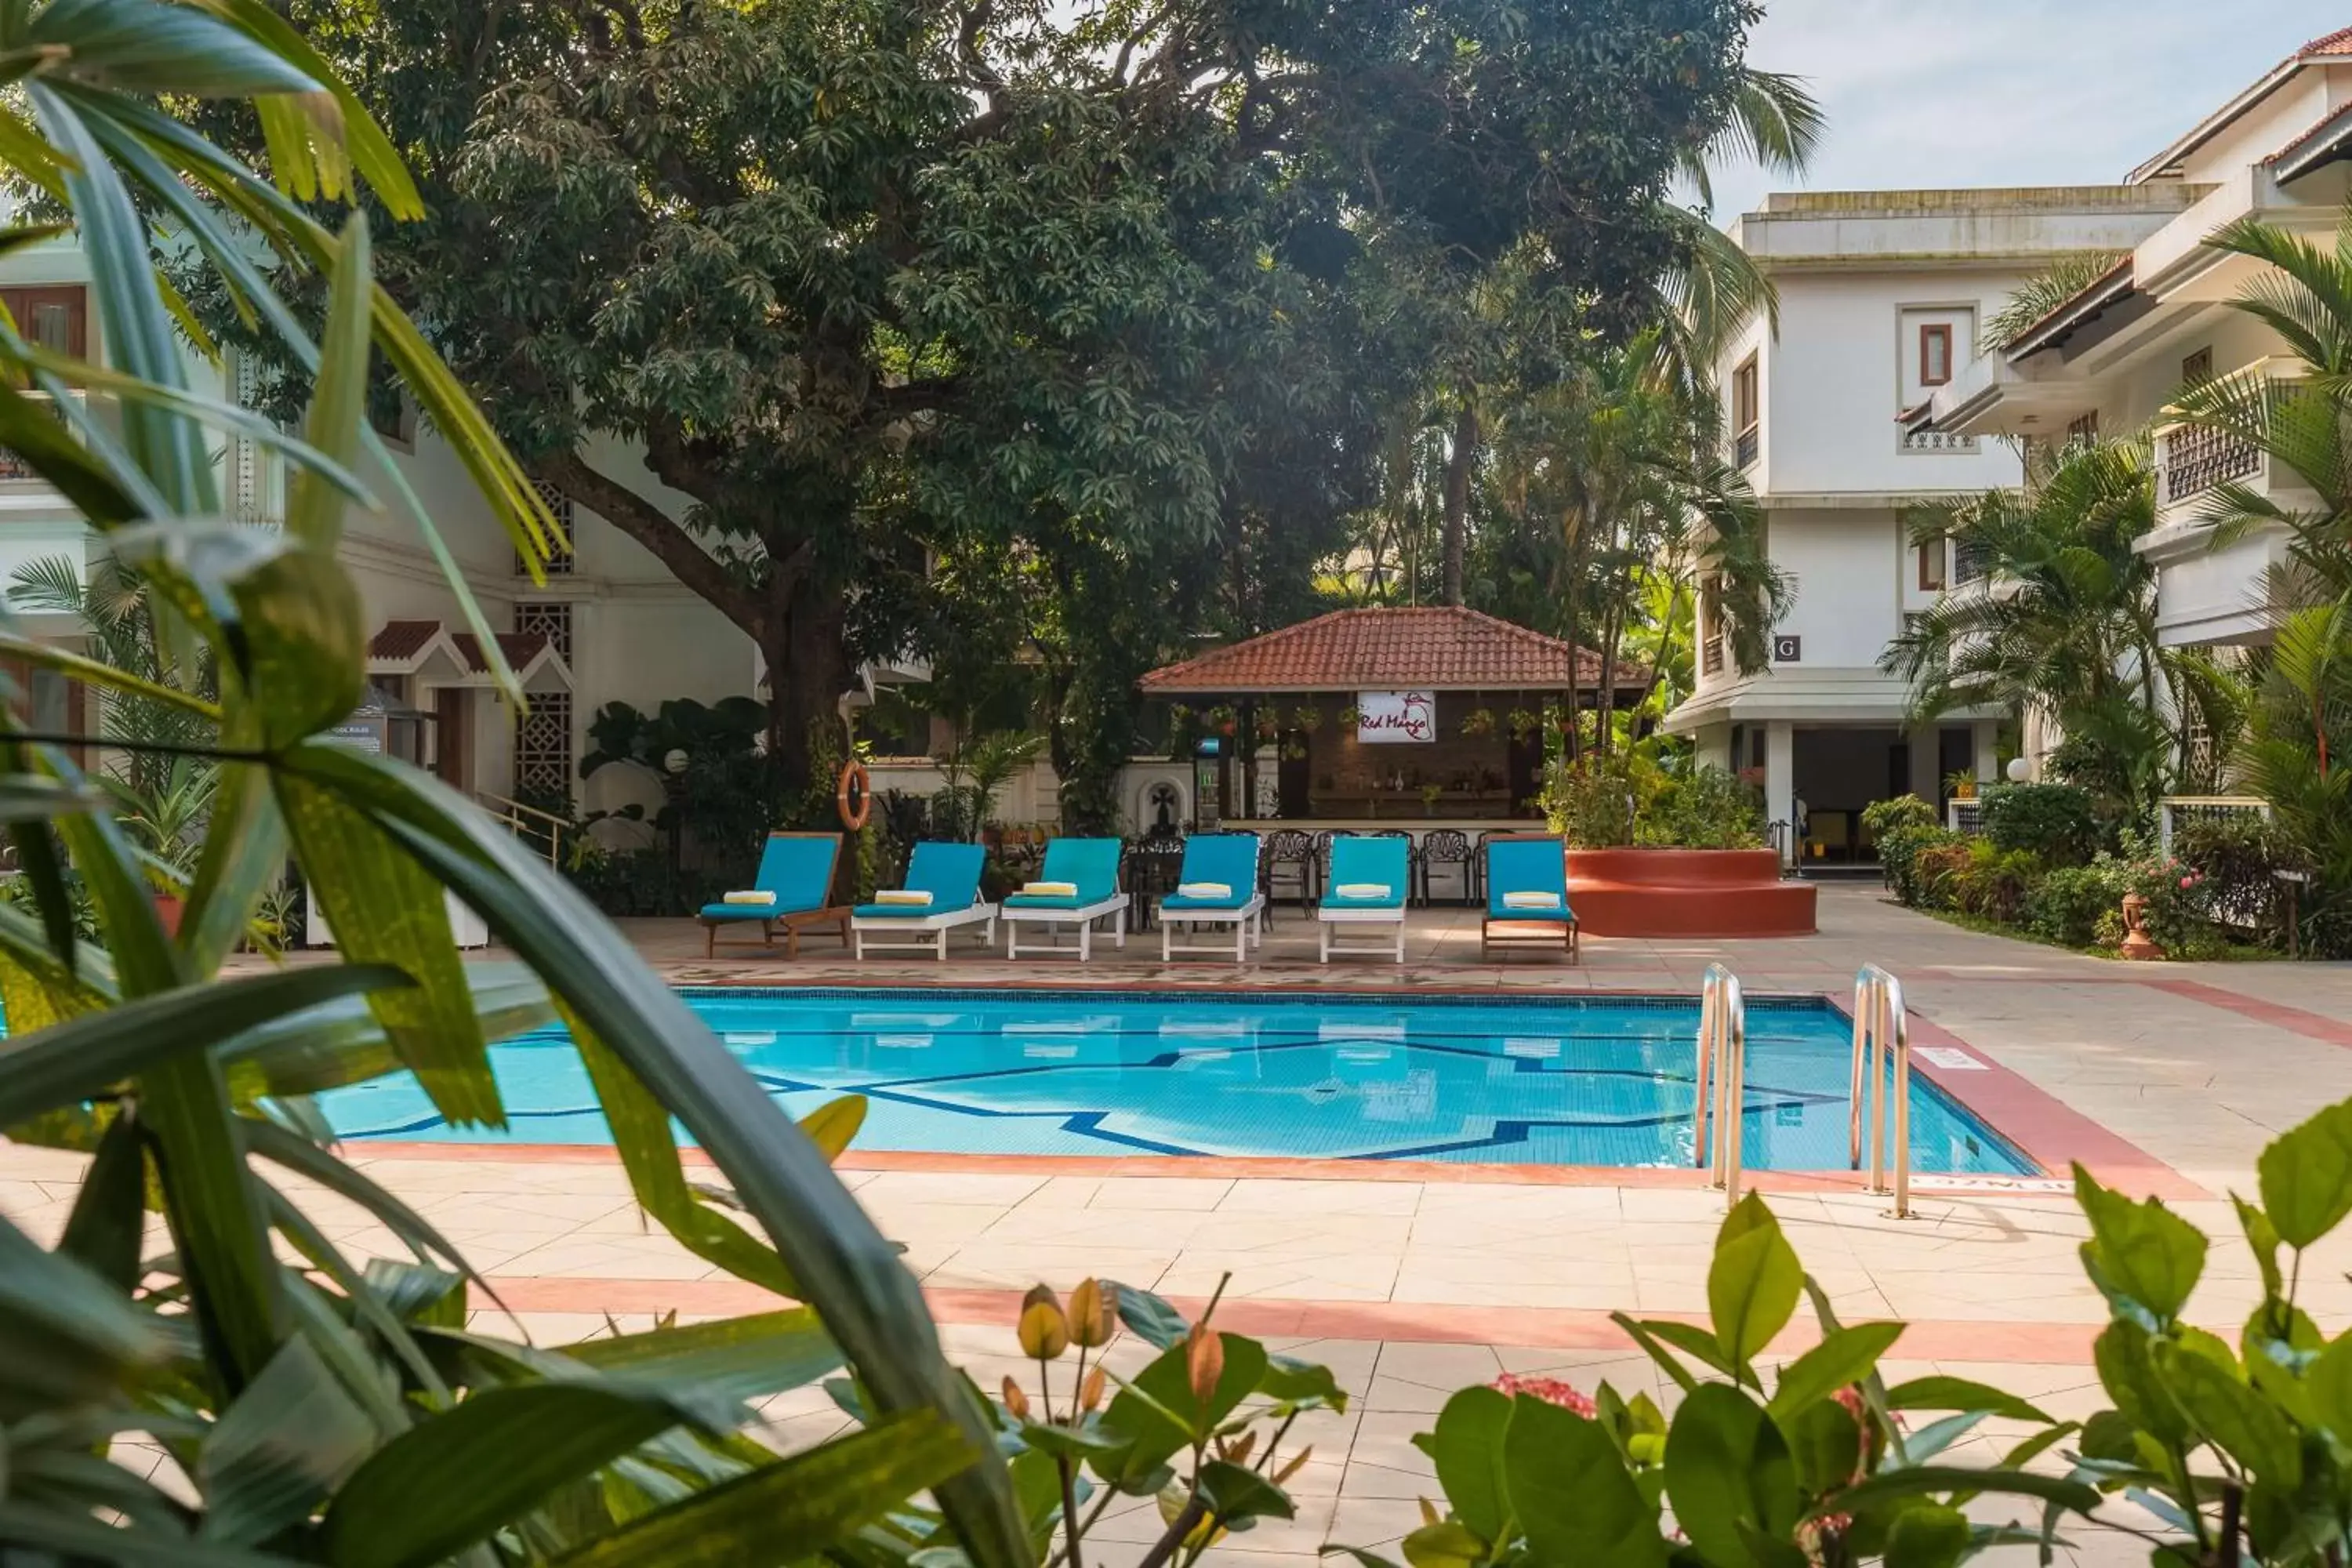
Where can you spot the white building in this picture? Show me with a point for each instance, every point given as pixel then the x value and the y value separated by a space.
pixel 1882 295
pixel 2114 355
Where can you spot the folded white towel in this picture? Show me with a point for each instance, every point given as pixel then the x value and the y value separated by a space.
pixel 1204 889
pixel 913 898
pixel 759 900
pixel 1050 890
pixel 1531 901
pixel 1362 889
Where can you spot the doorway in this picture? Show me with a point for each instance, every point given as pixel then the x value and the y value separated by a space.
pixel 1291 781
pixel 453 715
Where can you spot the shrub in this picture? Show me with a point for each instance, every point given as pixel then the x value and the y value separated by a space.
pixel 1590 802
pixel 1902 828
pixel 2068 903
pixel 2058 823
pixel 1706 808
pixel 2237 856
pixel 1938 870
pixel 1991 883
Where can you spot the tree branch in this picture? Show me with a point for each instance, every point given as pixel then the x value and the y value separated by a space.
pixel 654 528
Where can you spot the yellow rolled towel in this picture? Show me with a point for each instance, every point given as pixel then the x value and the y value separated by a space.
pixel 1050 890
pixel 1204 890
pixel 1362 889
pixel 913 898
pixel 759 899
pixel 1531 901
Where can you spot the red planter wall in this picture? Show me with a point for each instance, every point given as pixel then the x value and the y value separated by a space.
pixel 1686 893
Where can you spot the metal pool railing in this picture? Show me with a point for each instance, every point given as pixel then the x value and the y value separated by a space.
pixel 1881 1035
pixel 1722 1079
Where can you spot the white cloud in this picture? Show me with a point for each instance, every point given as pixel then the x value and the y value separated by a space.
pixel 2009 92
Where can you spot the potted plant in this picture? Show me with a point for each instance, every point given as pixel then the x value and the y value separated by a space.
pixel 1220 719
pixel 1350 716
pixel 1429 793
pixel 1960 783
pixel 1309 718
pixel 165 820
pixel 1479 721
pixel 1523 725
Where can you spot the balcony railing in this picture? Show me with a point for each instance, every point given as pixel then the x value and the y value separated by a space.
pixel 1918 441
pixel 1746 447
pixel 1971 560
pixel 13 465
pixel 2197 459
pixel 1710 654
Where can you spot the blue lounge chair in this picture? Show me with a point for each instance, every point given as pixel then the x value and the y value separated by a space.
pixel 1527 896
pixel 949 873
pixel 1089 865
pixel 796 869
pixel 1215 859
pixel 1359 865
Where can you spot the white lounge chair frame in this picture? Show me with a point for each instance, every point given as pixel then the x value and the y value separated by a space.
pixel 1328 918
pixel 1083 917
pixel 933 927
pixel 1248 920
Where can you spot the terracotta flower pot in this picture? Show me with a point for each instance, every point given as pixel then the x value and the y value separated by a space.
pixel 2136 942
pixel 168 908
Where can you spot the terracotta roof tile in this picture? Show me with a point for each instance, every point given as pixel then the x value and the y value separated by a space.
pixel 2338 42
pixel 1435 648
pixel 402 639
pixel 521 648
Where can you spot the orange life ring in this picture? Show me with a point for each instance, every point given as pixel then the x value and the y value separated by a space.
pixel 853 797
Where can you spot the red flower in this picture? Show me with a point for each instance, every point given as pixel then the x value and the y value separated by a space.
pixel 1551 1390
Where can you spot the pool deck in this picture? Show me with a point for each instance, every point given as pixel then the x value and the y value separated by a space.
pixel 2168 1078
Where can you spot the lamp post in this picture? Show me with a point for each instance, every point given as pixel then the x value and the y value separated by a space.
pixel 674 765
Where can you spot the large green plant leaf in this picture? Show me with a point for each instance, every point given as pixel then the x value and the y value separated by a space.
pixel 1753 1283
pixel 280 1449
pixel 314 512
pixel 450 1481
pixel 742 1358
pixel 1732 1480
pixel 1467 1447
pixel 2306 1176
pixel 107 1228
pixel 2232 1416
pixel 137 46
pixel 339 1043
pixel 383 907
pixel 793 1510
pixel 1569 1490
pixel 67 1337
pixel 1845 1356
pixel 82 1057
pixel 2141 1255
pixel 843 1265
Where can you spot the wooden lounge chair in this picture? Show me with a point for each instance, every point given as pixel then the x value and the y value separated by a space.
pixel 1369 882
pixel 950 875
pixel 797 870
pixel 1527 896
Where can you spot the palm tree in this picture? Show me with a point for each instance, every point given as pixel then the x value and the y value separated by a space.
pixel 112 605
pixel 2064 626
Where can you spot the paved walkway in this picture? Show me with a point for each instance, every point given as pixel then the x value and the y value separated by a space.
pixel 1412 1286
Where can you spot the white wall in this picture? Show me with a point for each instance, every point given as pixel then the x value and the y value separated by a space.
pixel 1845 365
pixel 1848 568
pixel 2289 111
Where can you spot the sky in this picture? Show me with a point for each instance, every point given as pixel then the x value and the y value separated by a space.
pixel 2011 92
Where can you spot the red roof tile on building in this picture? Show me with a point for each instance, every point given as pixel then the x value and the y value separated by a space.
pixel 1428 649
pixel 521 648
pixel 402 639
pixel 2338 42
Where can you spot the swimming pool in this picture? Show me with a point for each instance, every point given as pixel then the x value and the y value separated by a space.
pixel 1518 1080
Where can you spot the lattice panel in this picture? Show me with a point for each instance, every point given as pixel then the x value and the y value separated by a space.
pixel 559 563
pixel 543 748
pixel 551 620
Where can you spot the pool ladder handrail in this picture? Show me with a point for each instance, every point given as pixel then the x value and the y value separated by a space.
pixel 1722 1079
pixel 1882 1034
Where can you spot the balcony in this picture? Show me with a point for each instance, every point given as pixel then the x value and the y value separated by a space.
pixel 1932 442
pixel 2193 460
pixel 1971 561
pixel 1745 447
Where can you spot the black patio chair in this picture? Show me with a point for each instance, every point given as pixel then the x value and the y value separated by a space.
pixel 1289 854
pixel 1443 847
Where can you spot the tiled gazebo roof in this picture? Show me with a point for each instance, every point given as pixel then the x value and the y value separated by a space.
pixel 1438 648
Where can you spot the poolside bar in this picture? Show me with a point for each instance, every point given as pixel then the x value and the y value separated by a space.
pixel 1410 720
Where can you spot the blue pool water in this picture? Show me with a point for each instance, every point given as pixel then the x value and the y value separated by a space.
pixel 1544 1081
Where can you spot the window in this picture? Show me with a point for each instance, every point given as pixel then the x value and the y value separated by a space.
pixel 1934 353
pixel 393 416
pixel 560 558
pixel 57 319
pixel 1747 411
pixel 2086 429
pixel 2198 367
pixel 1931 565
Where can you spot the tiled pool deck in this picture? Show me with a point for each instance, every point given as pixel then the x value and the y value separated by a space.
pixel 2168 1078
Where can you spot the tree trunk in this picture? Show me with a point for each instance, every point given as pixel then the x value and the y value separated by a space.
pixel 1573 732
pixel 808 669
pixel 1458 465
pixel 1605 717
